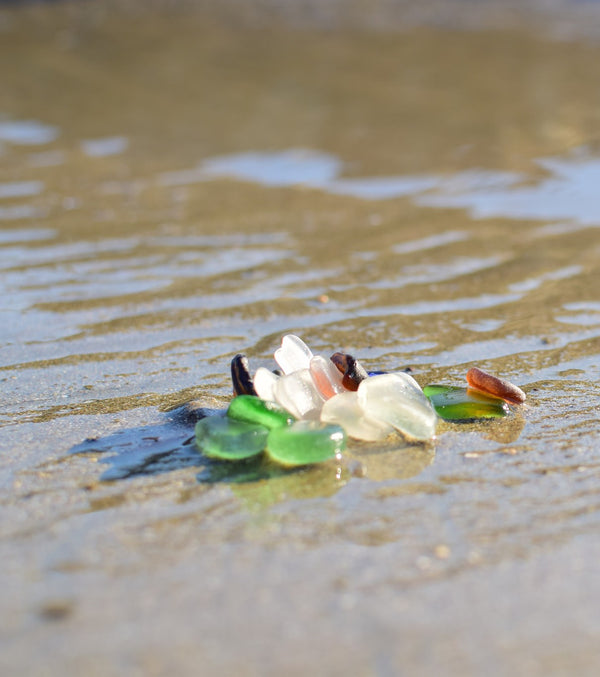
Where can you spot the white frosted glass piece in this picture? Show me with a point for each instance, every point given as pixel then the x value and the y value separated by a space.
pixel 294 354
pixel 297 394
pixel 264 384
pixel 344 410
pixel 326 376
pixel 397 399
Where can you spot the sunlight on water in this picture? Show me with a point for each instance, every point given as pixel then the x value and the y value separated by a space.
pixel 21 188
pixel 27 132
pixel 112 145
pixel 569 192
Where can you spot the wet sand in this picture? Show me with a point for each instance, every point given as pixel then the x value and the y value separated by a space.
pixel 179 186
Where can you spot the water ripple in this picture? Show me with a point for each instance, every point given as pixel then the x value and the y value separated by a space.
pixel 27 132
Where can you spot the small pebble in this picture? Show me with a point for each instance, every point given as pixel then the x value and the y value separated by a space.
pixel 481 380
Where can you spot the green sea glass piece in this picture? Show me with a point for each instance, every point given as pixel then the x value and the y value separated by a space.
pixel 305 442
pixel 230 440
pixel 252 409
pixel 453 403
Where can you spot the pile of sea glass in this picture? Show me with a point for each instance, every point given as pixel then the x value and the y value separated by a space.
pixel 305 413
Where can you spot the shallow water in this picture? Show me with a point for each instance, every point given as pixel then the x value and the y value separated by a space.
pixel 178 187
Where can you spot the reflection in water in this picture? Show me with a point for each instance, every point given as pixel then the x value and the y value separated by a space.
pixel 158 449
pixel 21 188
pixel 17 212
pixel 252 469
pixel 112 145
pixel 317 481
pixel 260 483
pixel 69 252
pixel 570 192
pixel 505 431
pixel 496 348
pixel 438 272
pixel 26 235
pixel 299 167
pixel 587 313
pixel 286 168
pixel 535 282
pixel 380 188
pixel 431 242
pixel 27 132
pixel 444 306
pixel 49 158
pixel 393 459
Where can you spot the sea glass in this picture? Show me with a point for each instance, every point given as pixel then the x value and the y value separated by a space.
pixel 297 394
pixel 225 438
pixel 305 442
pixel 264 384
pixel 494 386
pixel 326 376
pixel 240 376
pixel 397 399
pixel 454 403
pixel 352 370
pixel 293 355
pixel 252 409
pixel 344 410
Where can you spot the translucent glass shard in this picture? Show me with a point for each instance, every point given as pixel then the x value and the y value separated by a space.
pixel 294 354
pixel 297 394
pixel 344 410
pixel 264 384
pixel 306 442
pixel 326 376
pixel 397 399
pixel 254 410
pixel 225 438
